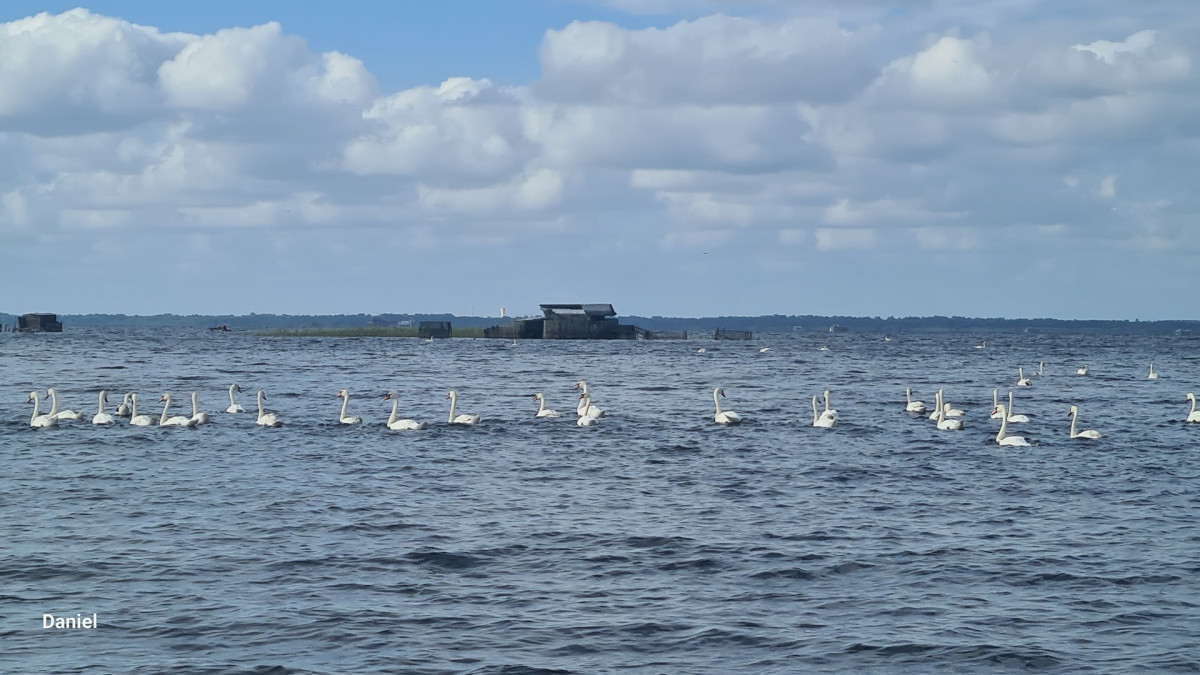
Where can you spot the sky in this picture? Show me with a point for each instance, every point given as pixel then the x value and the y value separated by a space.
pixel 999 158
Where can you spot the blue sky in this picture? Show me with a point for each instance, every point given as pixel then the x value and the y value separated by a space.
pixel 1017 158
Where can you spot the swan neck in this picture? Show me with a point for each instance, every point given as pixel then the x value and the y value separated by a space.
pixel 166 404
pixel 53 402
pixel 717 400
pixel 453 401
pixel 392 417
pixel 345 402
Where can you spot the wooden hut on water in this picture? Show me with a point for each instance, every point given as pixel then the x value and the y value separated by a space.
pixel 569 322
pixel 39 323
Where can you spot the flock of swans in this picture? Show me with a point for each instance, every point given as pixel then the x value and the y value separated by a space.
pixel 944 415
pixel 587 413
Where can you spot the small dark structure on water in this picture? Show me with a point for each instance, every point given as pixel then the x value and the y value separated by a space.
pixel 433 329
pixel 726 334
pixel 569 322
pixel 39 323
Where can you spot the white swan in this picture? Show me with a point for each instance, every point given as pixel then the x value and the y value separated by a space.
pixel 1194 415
pixel 944 409
pixel 828 412
pixel 197 414
pixel 463 418
pixel 123 408
pixel 701 350
pixel 1090 433
pixel 343 417
pixel 61 414
pixel 38 420
pixel 1004 439
pixel 819 421
pixel 1022 381
pixel 585 403
pixel 233 405
pixel 1009 416
pixel 401 424
pixel 946 424
pixel 1153 375
pixel 265 419
pixel 1082 371
pixel 995 404
pixel 102 417
pixel 543 411
pixel 727 416
pixel 764 350
pixel 582 408
pixel 177 420
pixel 134 418
pixel 912 406
pixel 981 345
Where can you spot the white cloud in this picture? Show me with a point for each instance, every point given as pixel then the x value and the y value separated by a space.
pixel 1108 187
pixel 832 239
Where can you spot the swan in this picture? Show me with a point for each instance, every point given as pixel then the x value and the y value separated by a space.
pixel 1022 381
pixel 1194 415
pixel 819 421
pixel 464 418
pixel 400 425
pixel 1041 369
pixel 102 417
pixel 764 350
pixel 701 350
pixel 40 421
pixel 61 414
pixel 1153 375
pixel 177 420
pixel 996 404
pixel 1082 371
pixel 1001 437
pixel 200 417
pixel 981 345
pixel 944 408
pixel 543 411
pixel 724 417
pixel 822 348
pixel 1010 417
pixel 828 412
pixel 585 402
pixel 265 419
pixel 123 408
pixel 343 418
pixel 943 423
pixel 136 419
pixel 582 408
pixel 912 406
pixel 233 405
pixel 1090 433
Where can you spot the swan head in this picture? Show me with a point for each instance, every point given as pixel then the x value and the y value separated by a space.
pixel 262 395
pixel 578 385
pixel 342 393
pixel 1073 411
pixel 389 396
pixel 164 397
pixel 453 395
pixel 234 387
pixel 719 391
pixel 538 397
pixel 32 398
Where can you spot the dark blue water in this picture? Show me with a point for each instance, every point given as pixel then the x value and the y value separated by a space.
pixel 654 541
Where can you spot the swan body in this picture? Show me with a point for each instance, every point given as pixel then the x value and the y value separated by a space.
pixel 1090 433
pixel 587 408
pixel 177 420
pixel 1022 381
pixel 401 424
pixel 819 421
pixel 764 350
pixel 123 407
pixel 463 418
pixel 197 414
pixel 911 405
pixel 828 412
pixel 61 414
pixel 266 419
pixel 233 405
pixel 134 418
pixel 543 411
pixel 727 417
pixel 40 421
pixel 943 423
pixel 1009 416
pixel 585 403
pixel 1082 370
pixel 1153 375
pixel 1193 415
pixel 343 417
pixel 981 345
pixel 102 417
pixel 701 350
pixel 1004 439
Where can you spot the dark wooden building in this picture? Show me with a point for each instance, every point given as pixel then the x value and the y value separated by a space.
pixel 39 323
pixel 570 322
pixel 433 329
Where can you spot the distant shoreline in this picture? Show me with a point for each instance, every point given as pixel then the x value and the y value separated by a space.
pixel 777 323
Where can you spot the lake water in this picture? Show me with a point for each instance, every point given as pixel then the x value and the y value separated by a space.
pixel 654 541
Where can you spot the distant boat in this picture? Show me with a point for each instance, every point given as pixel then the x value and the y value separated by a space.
pixel 223 328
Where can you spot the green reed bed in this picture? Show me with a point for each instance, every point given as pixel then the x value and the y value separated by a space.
pixel 365 331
